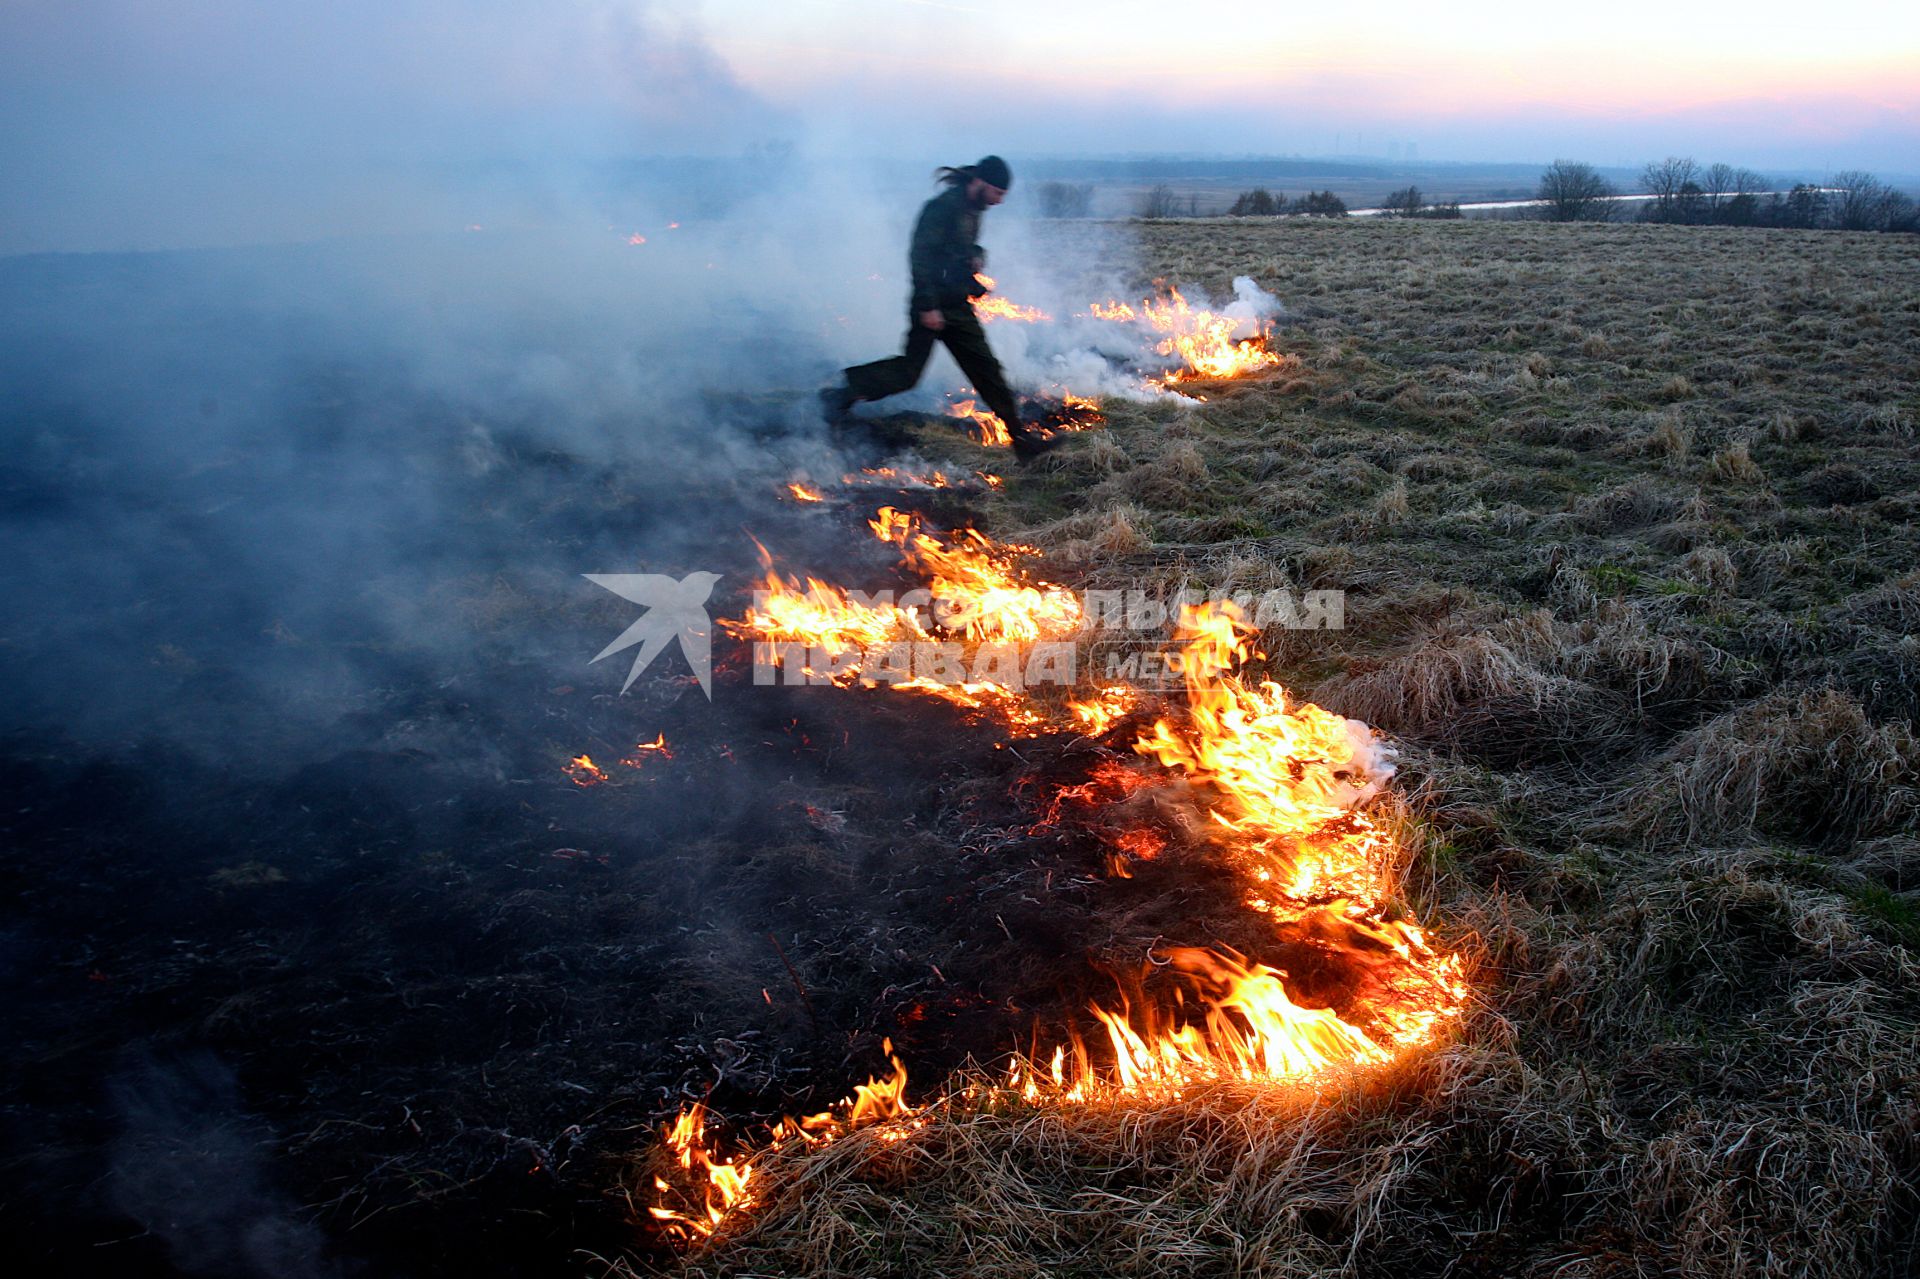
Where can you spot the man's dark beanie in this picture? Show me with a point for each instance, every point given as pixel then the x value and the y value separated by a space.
pixel 993 171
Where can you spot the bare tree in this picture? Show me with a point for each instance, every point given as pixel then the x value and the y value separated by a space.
pixel 1719 183
pixel 1805 207
pixel 1065 200
pixel 1690 205
pixel 1738 196
pixel 1861 202
pixel 1574 192
pixel 1664 182
pixel 1404 203
pixel 1160 203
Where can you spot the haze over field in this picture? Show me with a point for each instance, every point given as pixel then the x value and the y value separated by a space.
pixel 129 125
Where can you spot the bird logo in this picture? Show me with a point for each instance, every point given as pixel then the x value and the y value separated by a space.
pixel 675 610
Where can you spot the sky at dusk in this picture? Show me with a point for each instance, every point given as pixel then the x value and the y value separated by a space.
pixel 240 119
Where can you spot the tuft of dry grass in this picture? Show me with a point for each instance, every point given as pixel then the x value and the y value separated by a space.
pixel 1735 464
pixel 1806 764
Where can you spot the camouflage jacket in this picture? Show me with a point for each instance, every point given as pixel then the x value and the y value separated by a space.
pixel 944 255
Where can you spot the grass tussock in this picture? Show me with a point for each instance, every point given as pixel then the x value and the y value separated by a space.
pixel 1735 465
pixel 1808 765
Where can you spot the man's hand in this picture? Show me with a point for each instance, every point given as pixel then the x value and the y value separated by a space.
pixel 933 320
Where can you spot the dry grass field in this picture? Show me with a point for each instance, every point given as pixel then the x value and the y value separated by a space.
pixel 1626 521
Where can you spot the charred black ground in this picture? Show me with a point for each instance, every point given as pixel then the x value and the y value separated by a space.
pixel 322 962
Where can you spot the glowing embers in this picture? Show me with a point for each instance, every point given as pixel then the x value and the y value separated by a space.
pixel 1209 345
pixel 708 1185
pixel 804 489
pixel 583 772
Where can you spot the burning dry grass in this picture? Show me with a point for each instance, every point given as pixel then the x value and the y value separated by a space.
pixel 1626 530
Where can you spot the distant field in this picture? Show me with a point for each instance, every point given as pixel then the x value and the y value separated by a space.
pixel 1626 521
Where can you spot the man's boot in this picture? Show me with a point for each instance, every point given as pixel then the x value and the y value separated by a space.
pixel 1029 444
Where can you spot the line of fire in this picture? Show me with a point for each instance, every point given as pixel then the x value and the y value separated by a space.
pixel 1306 968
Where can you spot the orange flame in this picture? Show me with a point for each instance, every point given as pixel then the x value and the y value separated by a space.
pixel 1286 781
pixel 1203 341
pixel 977 595
pixel 584 771
pixel 714 1186
pixel 995 308
pixel 801 493
pixel 644 751
pixel 992 430
pixel 1110 705
pixel 1290 777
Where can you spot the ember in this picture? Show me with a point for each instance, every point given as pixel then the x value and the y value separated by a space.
pixel 584 771
pixel 643 752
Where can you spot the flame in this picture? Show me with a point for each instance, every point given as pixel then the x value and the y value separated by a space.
pixel 999 308
pixel 1290 774
pixel 801 493
pixel 644 751
pixel 1289 778
pixel 1252 1031
pixel 1106 708
pixel 978 594
pixel 584 771
pixel 987 597
pixel 714 1186
pixel 1203 341
pixel 636 238
pixel 992 430
pixel 1284 783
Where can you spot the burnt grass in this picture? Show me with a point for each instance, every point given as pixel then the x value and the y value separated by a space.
pixel 365 981
pixel 358 980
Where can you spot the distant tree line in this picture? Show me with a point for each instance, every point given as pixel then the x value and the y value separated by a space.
pixel 1407 202
pixel 1686 194
pixel 1262 203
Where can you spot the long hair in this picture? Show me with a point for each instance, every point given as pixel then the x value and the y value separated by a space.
pixel 955 177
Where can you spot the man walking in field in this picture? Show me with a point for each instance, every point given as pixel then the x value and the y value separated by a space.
pixel 945 259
